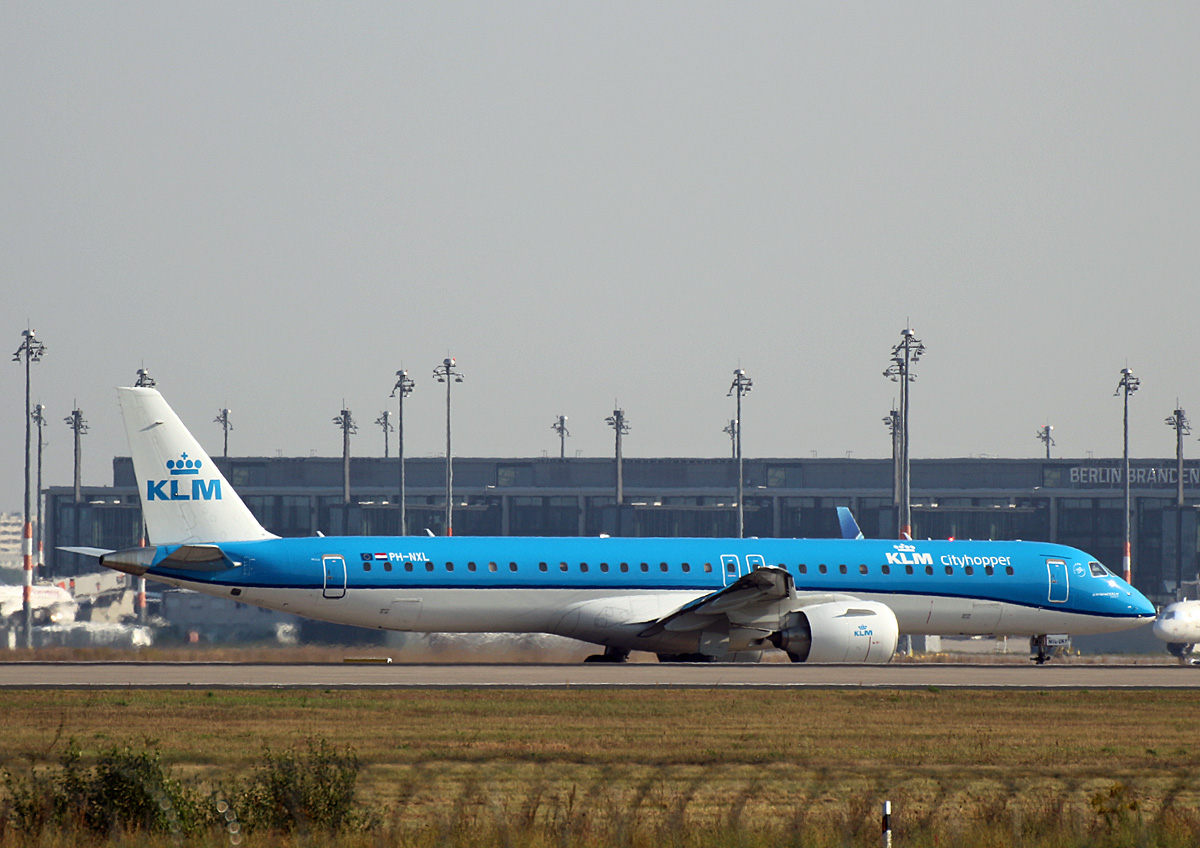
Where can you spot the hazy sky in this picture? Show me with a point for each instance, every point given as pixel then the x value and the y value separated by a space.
pixel 274 206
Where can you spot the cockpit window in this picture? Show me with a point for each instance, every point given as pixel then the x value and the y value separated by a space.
pixel 1098 570
pixel 1167 616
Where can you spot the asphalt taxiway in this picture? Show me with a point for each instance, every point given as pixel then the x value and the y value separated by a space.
pixel 185 675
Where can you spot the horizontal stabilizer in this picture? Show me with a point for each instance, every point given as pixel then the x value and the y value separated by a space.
pixel 137 561
pixel 90 552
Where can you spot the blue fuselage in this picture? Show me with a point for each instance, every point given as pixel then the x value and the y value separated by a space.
pixel 541 584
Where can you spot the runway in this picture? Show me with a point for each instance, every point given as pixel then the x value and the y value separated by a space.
pixel 186 675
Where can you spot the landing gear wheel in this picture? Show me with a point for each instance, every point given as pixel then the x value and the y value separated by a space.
pixel 1182 652
pixel 610 655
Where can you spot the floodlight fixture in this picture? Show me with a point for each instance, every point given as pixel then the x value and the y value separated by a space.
pixel 560 426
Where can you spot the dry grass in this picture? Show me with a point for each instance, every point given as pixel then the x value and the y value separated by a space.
pixel 644 767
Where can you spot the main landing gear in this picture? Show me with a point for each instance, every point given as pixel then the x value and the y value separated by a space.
pixel 610 655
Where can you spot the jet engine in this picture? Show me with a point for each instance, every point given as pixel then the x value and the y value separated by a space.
pixel 839 632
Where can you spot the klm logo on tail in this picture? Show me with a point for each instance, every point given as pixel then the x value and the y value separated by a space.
pixel 170 490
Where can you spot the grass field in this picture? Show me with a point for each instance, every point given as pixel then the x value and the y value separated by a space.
pixel 680 767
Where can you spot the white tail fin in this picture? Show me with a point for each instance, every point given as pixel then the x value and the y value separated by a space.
pixel 185 498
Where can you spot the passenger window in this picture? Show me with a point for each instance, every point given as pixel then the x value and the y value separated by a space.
pixel 707 567
pixel 662 566
pixel 821 568
pixel 862 569
pixel 429 566
pixel 387 566
pixel 604 567
pixel 685 568
pixel 624 566
pixel 645 566
pixel 802 568
pixel 929 569
pixel 408 566
pixel 842 569
pixel 543 567
pixel 908 569
pixel 583 567
pixel 949 569
pixel 366 566
pixel 989 570
pixel 886 569
pixel 470 566
pixel 1008 569
pixel 449 566
pixel 970 569
pixel 512 566
pixel 493 567
pixel 562 566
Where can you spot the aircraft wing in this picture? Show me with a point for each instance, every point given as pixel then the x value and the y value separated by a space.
pixel 742 601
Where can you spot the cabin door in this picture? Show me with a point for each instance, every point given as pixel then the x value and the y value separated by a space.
pixel 1059 588
pixel 335 576
pixel 731 568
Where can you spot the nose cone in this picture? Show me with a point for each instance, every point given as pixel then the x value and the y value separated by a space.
pixel 1179 623
pixel 1140 605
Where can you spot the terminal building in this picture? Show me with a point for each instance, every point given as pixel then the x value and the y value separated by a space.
pixel 1072 501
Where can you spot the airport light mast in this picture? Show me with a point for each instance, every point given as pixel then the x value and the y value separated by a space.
pixel 617 422
pixel 31 350
pixel 904 354
pixel 80 427
pixel 1179 422
pixel 741 385
pixel 403 388
pixel 1127 386
pixel 226 425
pixel 445 373
pixel 892 422
pixel 346 422
pixel 144 381
pixel 560 426
pixel 1044 436
pixel 39 418
pixel 383 422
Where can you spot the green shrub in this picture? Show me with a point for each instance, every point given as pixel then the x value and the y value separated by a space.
pixel 126 790
pixel 300 791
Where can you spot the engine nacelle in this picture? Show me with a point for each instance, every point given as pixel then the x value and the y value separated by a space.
pixel 840 632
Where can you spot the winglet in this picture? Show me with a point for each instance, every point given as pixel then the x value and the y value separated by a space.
pixel 850 528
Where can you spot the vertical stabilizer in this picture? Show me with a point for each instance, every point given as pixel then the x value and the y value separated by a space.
pixel 185 498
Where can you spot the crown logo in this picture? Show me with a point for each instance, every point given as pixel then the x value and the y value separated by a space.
pixel 906 549
pixel 183 465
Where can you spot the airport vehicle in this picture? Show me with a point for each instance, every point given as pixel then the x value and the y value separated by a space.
pixel 1178 625
pixel 697 599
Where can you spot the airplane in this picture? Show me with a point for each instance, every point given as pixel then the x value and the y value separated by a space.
pixel 683 599
pixel 1178 625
